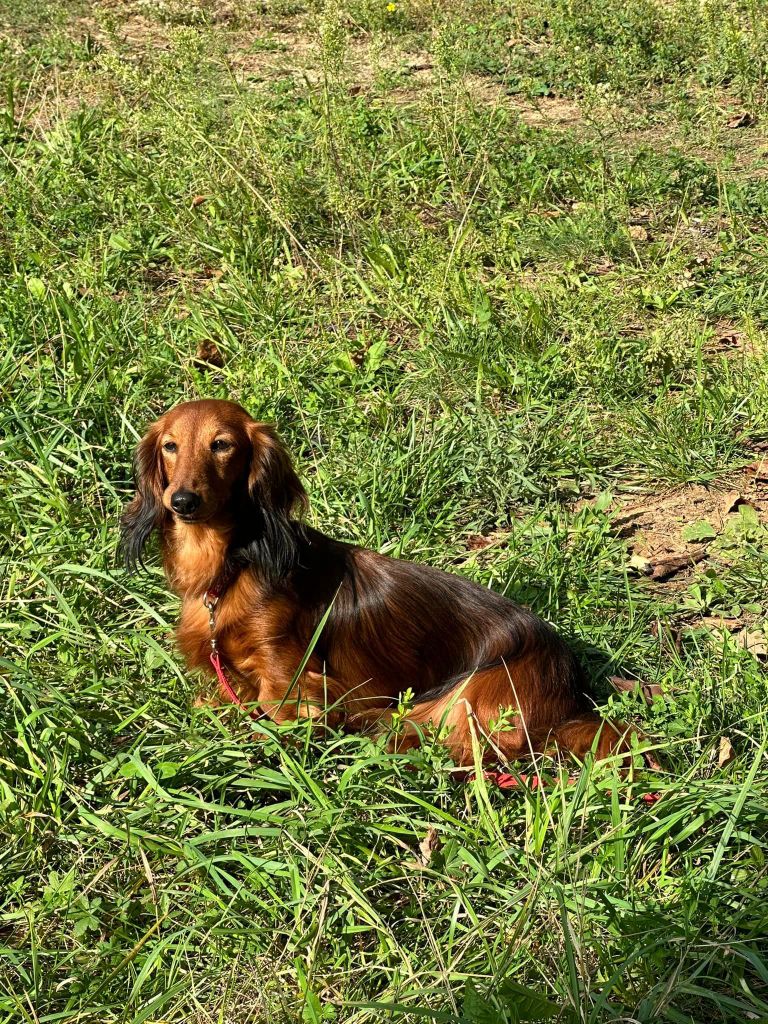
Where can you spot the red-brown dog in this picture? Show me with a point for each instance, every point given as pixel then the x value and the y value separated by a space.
pixel 220 489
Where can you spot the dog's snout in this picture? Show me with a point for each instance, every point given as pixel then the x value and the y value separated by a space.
pixel 186 503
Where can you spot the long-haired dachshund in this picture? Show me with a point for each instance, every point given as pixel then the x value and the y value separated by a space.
pixel 220 489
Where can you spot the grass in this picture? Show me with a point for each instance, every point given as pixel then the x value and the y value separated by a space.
pixel 495 272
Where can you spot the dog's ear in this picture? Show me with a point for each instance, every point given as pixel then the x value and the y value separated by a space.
pixel 277 499
pixel 145 511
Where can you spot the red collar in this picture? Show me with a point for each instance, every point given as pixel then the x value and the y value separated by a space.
pixel 216 591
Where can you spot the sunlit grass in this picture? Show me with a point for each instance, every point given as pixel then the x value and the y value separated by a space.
pixel 465 322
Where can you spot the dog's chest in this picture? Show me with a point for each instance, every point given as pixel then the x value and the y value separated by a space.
pixel 194 634
pixel 241 645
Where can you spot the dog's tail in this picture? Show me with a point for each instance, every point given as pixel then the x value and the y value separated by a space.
pixel 466 713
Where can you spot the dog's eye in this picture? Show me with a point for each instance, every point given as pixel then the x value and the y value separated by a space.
pixel 170 447
pixel 221 445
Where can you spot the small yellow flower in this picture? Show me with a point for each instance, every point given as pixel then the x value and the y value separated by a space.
pixel 391 8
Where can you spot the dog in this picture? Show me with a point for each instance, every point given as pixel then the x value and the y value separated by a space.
pixel 310 626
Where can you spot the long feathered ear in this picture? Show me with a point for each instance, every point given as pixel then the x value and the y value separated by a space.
pixel 276 499
pixel 145 511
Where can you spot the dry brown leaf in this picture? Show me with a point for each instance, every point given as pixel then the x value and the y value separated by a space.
pixel 623 685
pixel 666 567
pixel 642 565
pixel 759 469
pixel 429 845
pixel 648 691
pixel 478 541
pixel 651 691
pixel 732 500
pixel 754 641
pixel 603 267
pixel 729 339
pixel 726 752
pixel 742 120
pixel 208 355
pixel 720 622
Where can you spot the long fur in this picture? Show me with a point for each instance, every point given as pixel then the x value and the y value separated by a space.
pixel 145 512
pixel 267 536
pixel 480 666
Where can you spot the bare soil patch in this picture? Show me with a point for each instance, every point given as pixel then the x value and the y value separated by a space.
pixel 539 112
pixel 668 533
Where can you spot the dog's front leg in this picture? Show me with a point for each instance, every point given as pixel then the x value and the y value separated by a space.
pixel 313 695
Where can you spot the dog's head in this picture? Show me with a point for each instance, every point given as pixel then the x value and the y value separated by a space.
pixel 209 462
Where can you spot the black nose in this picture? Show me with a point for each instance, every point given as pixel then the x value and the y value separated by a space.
pixel 186 503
